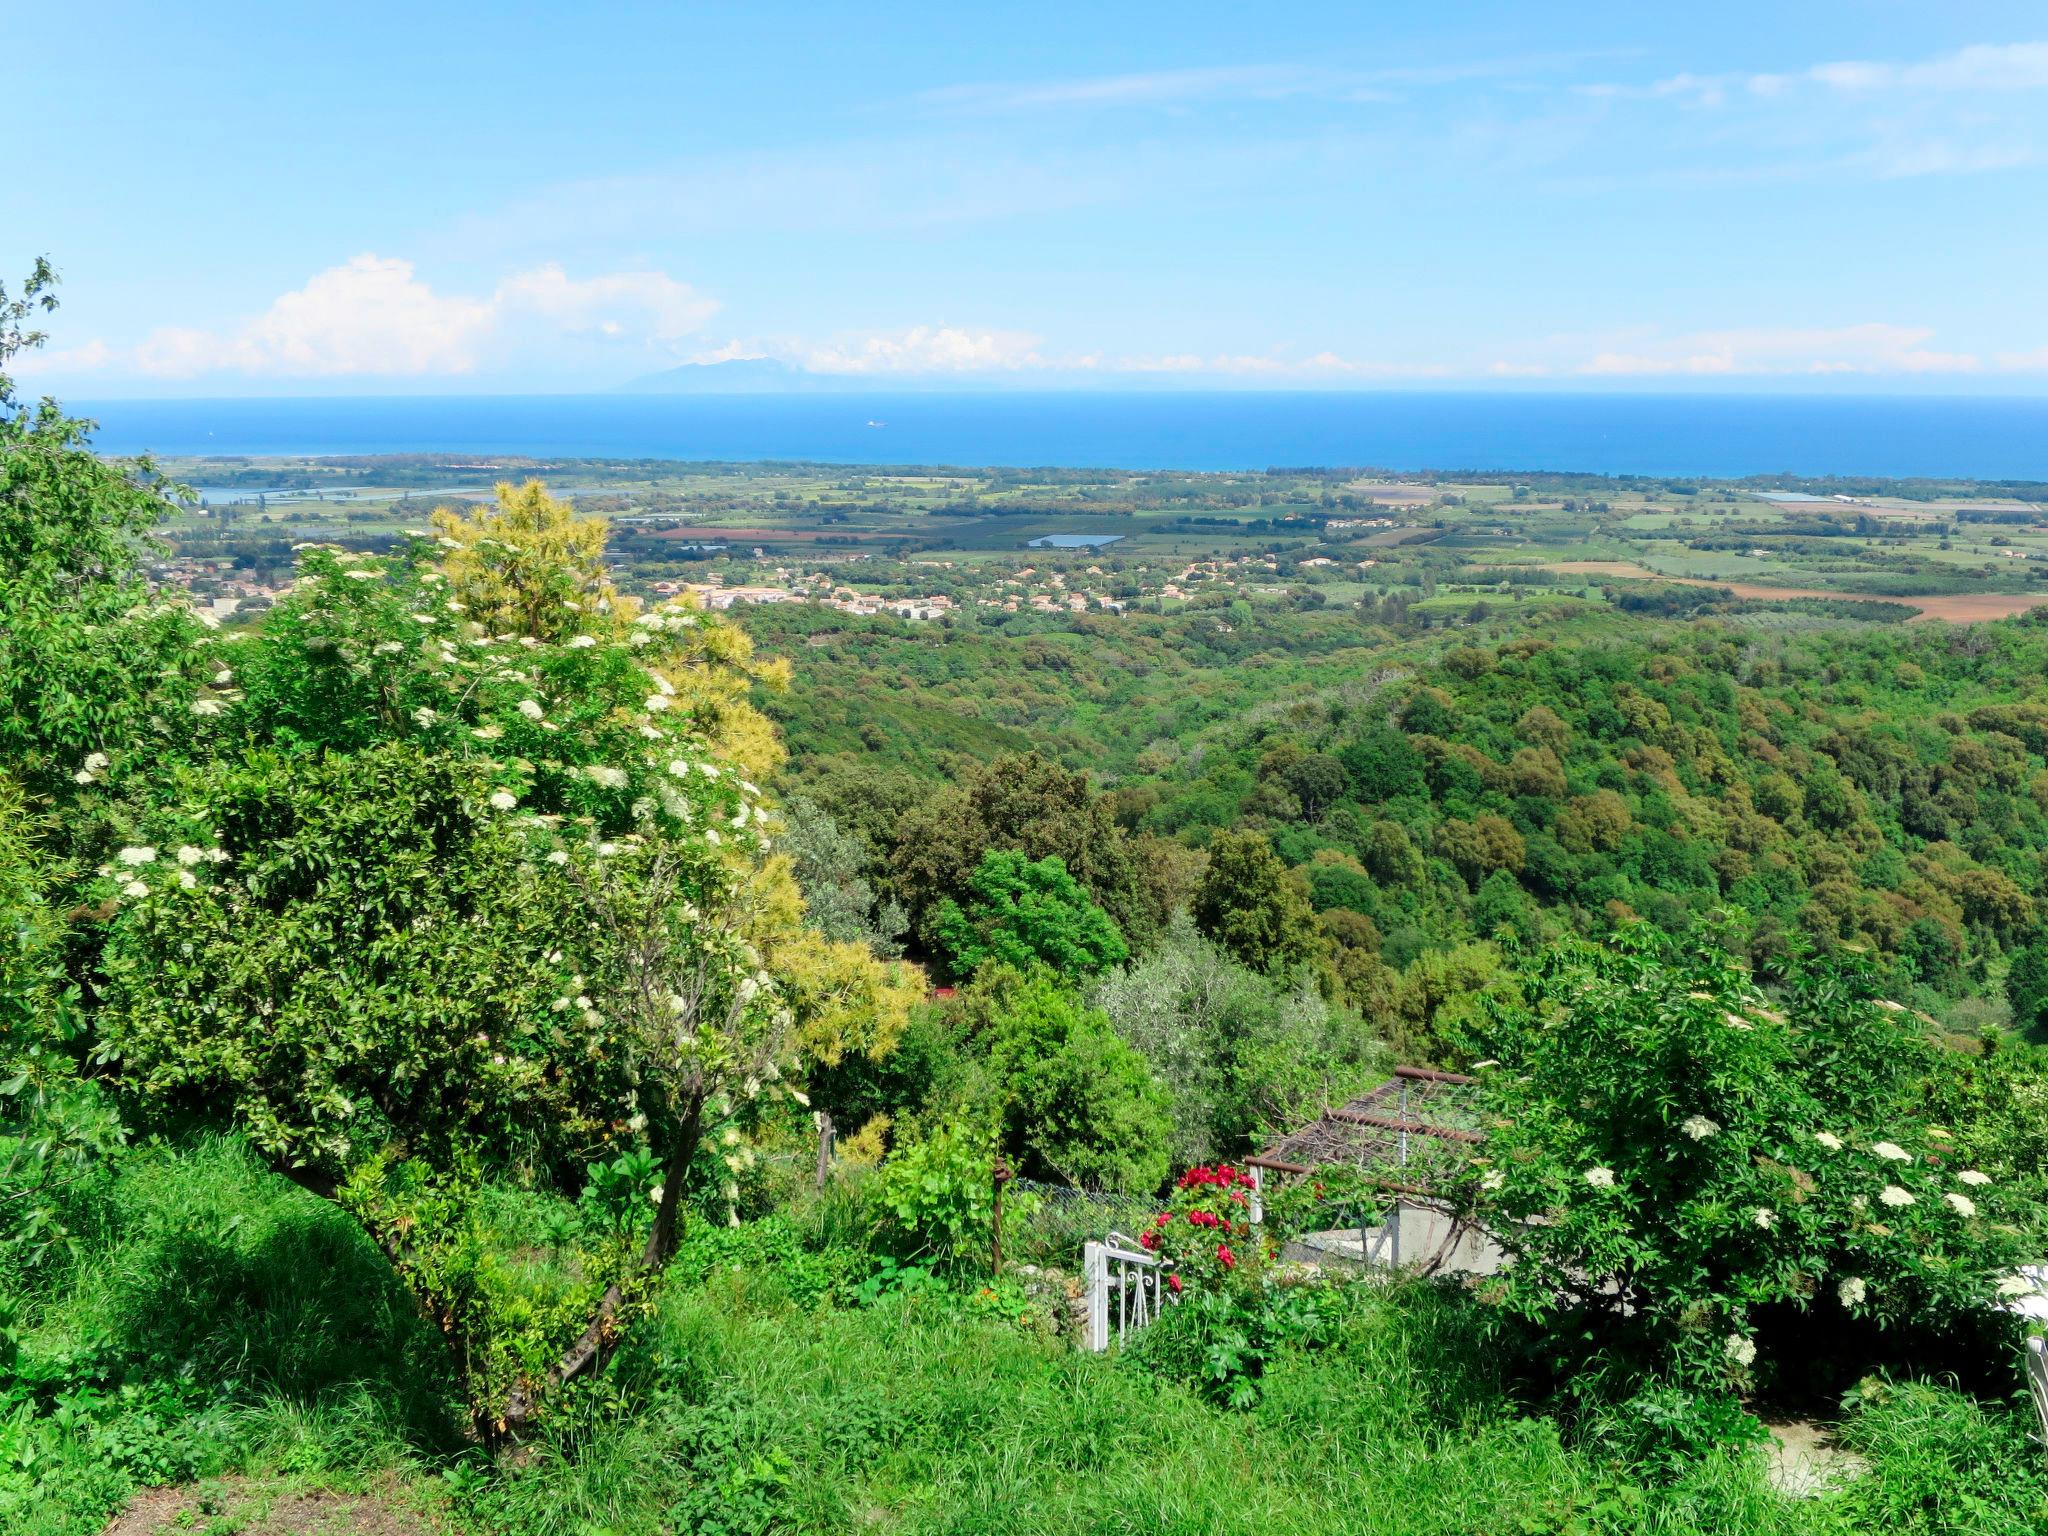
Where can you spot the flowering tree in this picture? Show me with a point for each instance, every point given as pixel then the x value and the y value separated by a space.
pixel 1668 1154
pixel 448 897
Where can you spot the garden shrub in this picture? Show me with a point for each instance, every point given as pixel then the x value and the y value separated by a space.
pixel 1668 1156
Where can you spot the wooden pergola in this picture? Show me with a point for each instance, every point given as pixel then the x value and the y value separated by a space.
pixel 1403 1135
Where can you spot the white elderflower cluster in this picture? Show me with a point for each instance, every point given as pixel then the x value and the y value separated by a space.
pixel 1600 1178
pixel 1699 1127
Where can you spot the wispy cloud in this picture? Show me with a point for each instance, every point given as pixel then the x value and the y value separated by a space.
pixel 1979 68
pixel 1239 82
pixel 1970 111
pixel 1873 348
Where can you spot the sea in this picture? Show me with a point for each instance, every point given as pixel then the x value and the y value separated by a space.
pixel 2002 438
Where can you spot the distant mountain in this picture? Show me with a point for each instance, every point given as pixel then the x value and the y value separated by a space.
pixel 739 376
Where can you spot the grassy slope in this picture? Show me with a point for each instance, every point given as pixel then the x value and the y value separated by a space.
pixel 238 1325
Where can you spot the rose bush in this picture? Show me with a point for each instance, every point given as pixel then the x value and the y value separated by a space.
pixel 1206 1232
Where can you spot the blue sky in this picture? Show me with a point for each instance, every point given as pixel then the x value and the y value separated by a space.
pixel 258 199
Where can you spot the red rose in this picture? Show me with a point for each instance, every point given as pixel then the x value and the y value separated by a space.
pixel 1225 1257
pixel 1173 1284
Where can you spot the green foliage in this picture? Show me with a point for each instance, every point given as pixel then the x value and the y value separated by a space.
pixel 1250 905
pixel 212 1319
pixel 1242 1054
pixel 830 864
pixel 1023 913
pixel 442 903
pixel 1077 1104
pixel 1031 805
pixel 97 674
pixel 1222 1340
pixel 1945 1463
pixel 379 972
pixel 2026 986
pixel 223 1322
pixel 939 1193
pixel 1662 1137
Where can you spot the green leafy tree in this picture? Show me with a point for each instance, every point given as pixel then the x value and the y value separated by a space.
pixel 1030 804
pixel 1241 1052
pixel 2026 986
pixel 1076 1103
pixel 1023 913
pixel 1252 904
pixel 830 865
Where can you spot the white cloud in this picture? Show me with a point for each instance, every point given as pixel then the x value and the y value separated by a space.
pixel 1278 367
pixel 372 316
pixel 1978 69
pixel 929 349
pixel 612 304
pixel 87 358
pixel 933 350
pixel 1258 81
pixel 1856 349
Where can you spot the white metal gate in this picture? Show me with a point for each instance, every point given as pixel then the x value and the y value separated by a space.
pixel 1127 1290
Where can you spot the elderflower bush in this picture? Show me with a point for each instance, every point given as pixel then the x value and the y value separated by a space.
pixel 444 899
pixel 417 805
pixel 1670 1157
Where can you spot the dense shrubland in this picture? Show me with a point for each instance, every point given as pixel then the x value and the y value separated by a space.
pixel 419 1011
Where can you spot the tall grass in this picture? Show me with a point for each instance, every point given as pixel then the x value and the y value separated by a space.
pixel 253 1329
pixel 212 1318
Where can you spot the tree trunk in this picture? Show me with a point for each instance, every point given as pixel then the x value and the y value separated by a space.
pixel 598 1340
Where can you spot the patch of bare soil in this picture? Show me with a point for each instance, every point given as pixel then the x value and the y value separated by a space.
pixel 1804 1460
pixel 233 1507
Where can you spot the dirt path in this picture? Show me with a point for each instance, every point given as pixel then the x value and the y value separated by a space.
pixel 1946 607
pixel 260 1509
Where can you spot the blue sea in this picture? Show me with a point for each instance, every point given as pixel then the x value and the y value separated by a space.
pixel 1675 435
